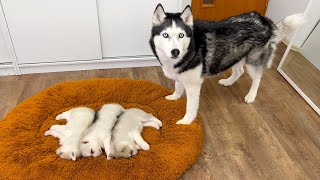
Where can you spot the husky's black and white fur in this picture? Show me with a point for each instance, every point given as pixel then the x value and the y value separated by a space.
pixel 189 50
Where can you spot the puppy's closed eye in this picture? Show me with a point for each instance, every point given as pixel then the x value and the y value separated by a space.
pixel 84 142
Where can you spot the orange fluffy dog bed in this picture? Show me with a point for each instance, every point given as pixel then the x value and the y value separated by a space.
pixel 25 153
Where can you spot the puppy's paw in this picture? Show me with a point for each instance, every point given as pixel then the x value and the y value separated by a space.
pixel 137 146
pixel 184 121
pixel 145 146
pixel 157 121
pixel 250 97
pixel 134 152
pixel 225 82
pixel 58 151
pixel 47 133
pixel 109 156
pixel 172 97
pixel 60 117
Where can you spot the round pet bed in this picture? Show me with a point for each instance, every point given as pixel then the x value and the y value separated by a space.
pixel 25 153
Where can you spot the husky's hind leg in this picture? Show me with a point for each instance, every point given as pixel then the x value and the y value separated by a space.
pixel 255 72
pixel 237 71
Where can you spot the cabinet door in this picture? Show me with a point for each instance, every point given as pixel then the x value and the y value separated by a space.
pixel 53 30
pixel 125 25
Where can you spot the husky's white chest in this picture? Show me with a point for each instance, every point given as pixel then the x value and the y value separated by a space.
pixel 191 75
pixel 170 72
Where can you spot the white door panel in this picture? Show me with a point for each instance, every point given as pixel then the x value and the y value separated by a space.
pixel 125 26
pixel 310 49
pixel 53 30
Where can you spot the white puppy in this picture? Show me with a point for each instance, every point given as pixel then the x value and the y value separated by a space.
pixel 78 120
pixel 127 132
pixel 100 132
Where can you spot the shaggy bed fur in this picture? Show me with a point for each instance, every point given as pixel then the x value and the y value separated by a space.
pixel 25 153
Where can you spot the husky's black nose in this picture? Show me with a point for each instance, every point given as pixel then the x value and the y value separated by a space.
pixel 175 53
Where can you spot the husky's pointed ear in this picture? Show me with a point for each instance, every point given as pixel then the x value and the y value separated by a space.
pixel 186 16
pixel 158 15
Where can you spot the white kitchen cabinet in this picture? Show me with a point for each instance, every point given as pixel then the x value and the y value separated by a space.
pixel 6 61
pixel 45 31
pixel 125 26
pixel 68 35
pixel 4 49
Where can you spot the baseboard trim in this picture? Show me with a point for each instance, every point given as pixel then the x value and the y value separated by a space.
pixel 6 70
pixel 106 63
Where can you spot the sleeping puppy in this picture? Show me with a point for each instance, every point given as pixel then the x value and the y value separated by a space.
pixel 127 132
pixel 99 134
pixel 78 120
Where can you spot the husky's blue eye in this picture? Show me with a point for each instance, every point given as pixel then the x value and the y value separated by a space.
pixel 165 35
pixel 181 35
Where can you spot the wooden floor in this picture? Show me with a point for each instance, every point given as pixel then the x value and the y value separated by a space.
pixel 276 137
pixel 304 74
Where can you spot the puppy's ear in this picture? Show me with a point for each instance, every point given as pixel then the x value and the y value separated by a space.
pixel 72 155
pixel 158 15
pixel 186 16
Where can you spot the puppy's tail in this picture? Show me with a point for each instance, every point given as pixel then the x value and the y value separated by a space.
pixel 290 24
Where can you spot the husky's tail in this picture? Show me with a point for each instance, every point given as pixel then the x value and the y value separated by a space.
pixel 285 27
pixel 290 24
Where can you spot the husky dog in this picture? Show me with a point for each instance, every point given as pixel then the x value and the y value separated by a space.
pixel 100 132
pixel 127 137
pixel 189 50
pixel 78 120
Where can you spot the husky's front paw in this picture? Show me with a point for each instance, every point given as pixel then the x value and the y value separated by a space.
pixel 250 97
pixel 172 97
pixel 184 121
pixel 225 82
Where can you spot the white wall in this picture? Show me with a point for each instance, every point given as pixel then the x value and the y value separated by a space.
pixel 313 16
pixel 4 50
pixel 184 3
pixel 310 49
pixel 279 9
